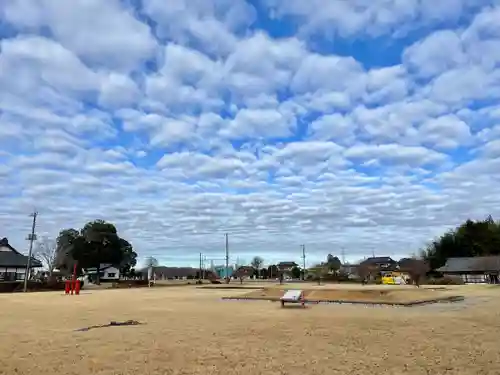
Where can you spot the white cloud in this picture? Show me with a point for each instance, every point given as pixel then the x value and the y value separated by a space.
pixel 373 18
pixel 182 122
pixel 208 22
pixel 35 60
pixel 104 34
pixel 445 132
pixel 257 123
pixel 397 154
pixel 439 52
pixel 118 90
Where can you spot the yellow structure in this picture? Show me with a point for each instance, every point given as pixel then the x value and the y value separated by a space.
pixel 394 278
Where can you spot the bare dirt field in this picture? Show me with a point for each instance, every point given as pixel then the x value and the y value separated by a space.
pixel 392 295
pixel 191 331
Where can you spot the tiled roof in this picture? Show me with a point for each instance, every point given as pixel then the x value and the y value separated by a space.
pixel 377 260
pixel 287 264
pixel 471 264
pixel 14 258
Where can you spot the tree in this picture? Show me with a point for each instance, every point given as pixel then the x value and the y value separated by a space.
pixel 364 272
pixel 273 271
pixel 95 244
pixel 257 263
pixel 296 272
pixel 46 251
pixel 151 263
pixel 319 271
pixel 472 238
pixel 417 269
pixel 242 272
pixel 98 243
pixel 264 273
pixel 129 258
pixel 333 263
pixel 65 243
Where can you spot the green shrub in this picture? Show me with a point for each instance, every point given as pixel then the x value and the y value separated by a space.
pixel 446 280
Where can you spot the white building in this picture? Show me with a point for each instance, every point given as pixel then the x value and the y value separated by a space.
pixel 107 272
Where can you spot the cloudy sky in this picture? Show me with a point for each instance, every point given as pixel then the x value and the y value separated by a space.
pixel 368 126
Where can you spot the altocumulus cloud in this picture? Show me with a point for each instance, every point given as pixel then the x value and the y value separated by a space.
pixel 369 126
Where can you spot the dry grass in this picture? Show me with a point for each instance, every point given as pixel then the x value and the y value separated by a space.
pixel 190 331
pixel 367 294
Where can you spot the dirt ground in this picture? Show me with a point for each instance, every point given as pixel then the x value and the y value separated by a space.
pixel 366 294
pixel 191 331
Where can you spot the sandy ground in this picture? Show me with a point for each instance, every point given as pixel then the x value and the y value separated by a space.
pixel 191 331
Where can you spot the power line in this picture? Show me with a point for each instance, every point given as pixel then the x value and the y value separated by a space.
pixel 31 238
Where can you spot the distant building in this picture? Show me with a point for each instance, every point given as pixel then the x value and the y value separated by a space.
pixel 473 270
pixel 177 273
pixel 107 272
pixel 286 268
pixel 13 263
pixel 223 272
pixel 383 264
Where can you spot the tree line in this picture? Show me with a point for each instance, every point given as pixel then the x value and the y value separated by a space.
pixel 470 239
pixel 98 242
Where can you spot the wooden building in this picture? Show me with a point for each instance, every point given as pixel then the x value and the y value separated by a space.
pixel 13 263
pixel 473 270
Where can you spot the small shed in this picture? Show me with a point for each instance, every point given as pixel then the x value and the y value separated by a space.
pixel 474 270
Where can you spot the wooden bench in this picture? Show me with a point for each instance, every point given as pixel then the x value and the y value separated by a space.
pixel 293 296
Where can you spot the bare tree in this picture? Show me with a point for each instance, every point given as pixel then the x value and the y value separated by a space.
pixel 417 269
pixel 319 271
pixel 364 272
pixel 242 272
pixel 46 252
pixel 151 263
pixel 257 264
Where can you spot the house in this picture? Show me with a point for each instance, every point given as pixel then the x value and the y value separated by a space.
pixel 473 270
pixel 179 273
pixel 107 272
pixel 382 264
pixel 244 272
pixel 286 268
pixel 13 263
pixel 350 270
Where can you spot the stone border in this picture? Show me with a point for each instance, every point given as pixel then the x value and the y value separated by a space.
pixel 230 287
pixel 352 302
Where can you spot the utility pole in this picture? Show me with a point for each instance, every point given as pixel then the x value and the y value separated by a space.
pixel 227 259
pixel 343 255
pixel 303 262
pixel 373 252
pixel 204 266
pixel 201 257
pixel 31 238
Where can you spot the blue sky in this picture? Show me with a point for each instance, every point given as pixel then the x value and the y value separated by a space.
pixel 363 127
